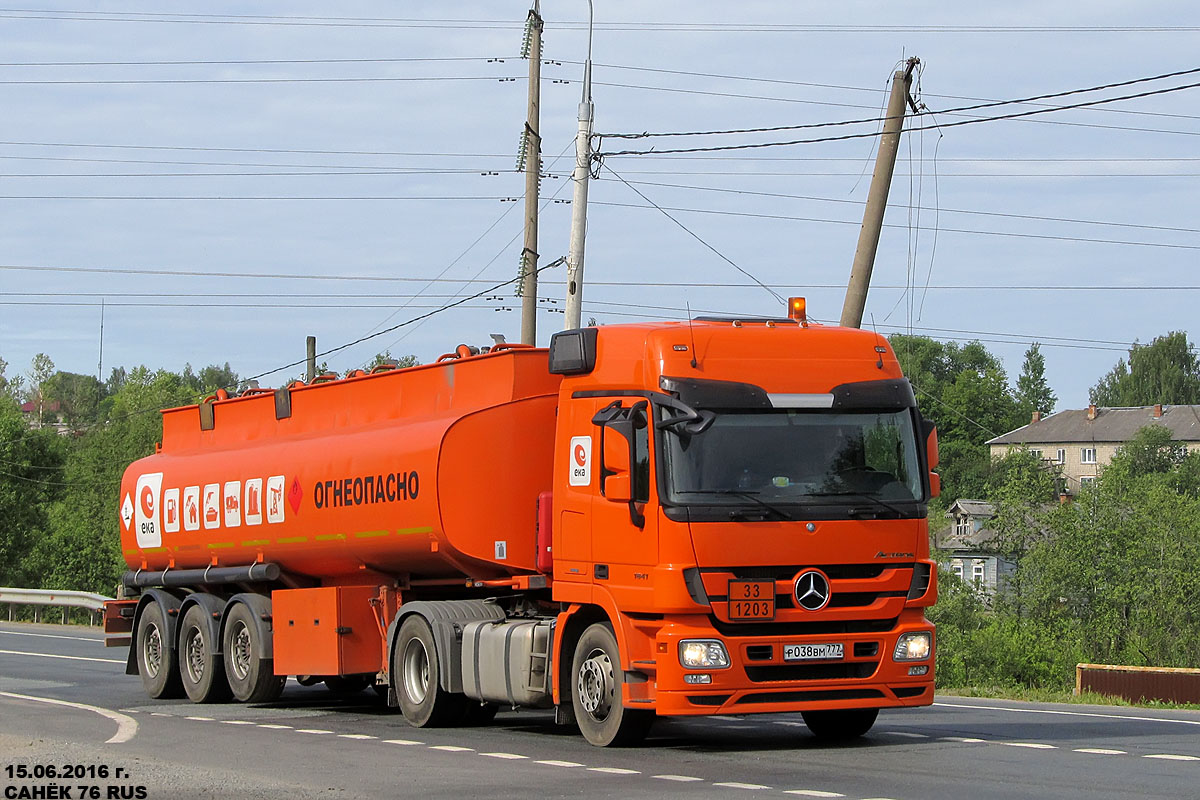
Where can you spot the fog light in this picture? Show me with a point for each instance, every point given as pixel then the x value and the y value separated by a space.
pixel 918 670
pixel 703 654
pixel 697 677
pixel 913 647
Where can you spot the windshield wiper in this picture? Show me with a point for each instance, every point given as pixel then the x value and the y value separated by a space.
pixel 871 498
pixel 749 495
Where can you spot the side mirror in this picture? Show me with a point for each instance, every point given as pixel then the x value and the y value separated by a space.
pixel 617 488
pixel 931 442
pixel 935 484
pixel 616 453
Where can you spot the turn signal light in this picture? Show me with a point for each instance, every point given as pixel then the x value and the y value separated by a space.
pixel 796 310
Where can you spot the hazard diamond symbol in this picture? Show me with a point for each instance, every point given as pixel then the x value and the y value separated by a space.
pixel 127 510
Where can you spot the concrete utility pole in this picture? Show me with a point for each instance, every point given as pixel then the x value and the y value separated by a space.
pixel 583 166
pixel 881 182
pixel 310 353
pixel 532 153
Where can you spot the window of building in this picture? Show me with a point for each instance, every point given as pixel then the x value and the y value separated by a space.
pixel 957 566
pixel 962 525
pixel 977 573
pixel 1087 480
pixel 1036 452
pixel 1087 455
pixel 1062 456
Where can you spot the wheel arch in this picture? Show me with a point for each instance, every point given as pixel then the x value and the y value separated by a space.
pixel 214 608
pixel 260 612
pixel 445 618
pixel 170 603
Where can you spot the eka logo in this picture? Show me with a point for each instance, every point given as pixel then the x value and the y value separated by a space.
pixel 145 520
pixel 580 461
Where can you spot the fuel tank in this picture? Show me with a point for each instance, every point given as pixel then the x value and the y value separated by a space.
pixel 426 472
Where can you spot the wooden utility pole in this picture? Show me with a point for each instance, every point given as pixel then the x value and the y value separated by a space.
pixel 583 168
pixel 310 355
pixel 531 152
pixel 881 182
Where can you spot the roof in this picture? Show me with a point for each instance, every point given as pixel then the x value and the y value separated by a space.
pixel 1110 425
pixel 974 508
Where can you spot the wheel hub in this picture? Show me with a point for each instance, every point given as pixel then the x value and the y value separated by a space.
pixel 596 685
pixel 241 652
pixel 415 671
pixel 195 656
pixel 152 651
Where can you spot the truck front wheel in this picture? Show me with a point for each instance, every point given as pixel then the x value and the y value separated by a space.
pixel 156 657
pixel 596 688
pixel 251 677
pixel 840 725
pixel 414 672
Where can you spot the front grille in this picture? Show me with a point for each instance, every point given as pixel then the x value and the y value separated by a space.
pixel 708 699
pixel 812 672
pixel 810 696
pixel 760 652
pixel 865 649
pixel 836 572
pixel 735 629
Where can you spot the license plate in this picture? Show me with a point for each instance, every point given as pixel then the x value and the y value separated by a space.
pixel 751 599
pixel 813 652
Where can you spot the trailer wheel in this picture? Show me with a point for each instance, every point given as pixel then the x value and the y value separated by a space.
pixel 156 656
pixel 840 725
pixel 596 684
pixel 200 667
pixel 252 678
pixel 414 674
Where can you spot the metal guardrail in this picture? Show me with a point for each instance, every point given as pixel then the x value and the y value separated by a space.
pixel 51 597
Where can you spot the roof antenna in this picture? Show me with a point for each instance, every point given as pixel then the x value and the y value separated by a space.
pixel 879 348
pixel 691 331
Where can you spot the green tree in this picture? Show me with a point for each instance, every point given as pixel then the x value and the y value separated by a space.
pixel 386 357
pixel 30 479
pixel 1165 371
pixel 41 368
pixel 78 396
pixel 1033 393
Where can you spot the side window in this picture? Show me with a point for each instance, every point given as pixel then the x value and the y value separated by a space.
pixel 641 456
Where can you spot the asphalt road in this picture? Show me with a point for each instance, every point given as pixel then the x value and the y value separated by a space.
pixel 314 744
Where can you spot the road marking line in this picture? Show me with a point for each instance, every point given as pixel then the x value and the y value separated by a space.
pixel 1170 757
pixel 964 739
pixel 1100 751
pixel 54 636
pixel 552 763
pixel 355 736
pixel 274 726
pixel 1030 745
pixel 614 770
pixel 201 719
pixel 726 719
pixel 316 731
pixel 68 658
pixel 237 722
pixel 451 748
pixel 906 734
pixel 813 793
pixel 680 778
pixel 401 741
pixel 511 756
pixel 1070 713
pixel 157 714
pixel 126 726
pixel 736 785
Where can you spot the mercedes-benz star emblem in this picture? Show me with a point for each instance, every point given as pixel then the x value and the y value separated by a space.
pixel 812 590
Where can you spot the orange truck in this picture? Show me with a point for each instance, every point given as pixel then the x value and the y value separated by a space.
pixel 719 516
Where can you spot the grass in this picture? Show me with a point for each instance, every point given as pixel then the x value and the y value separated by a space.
pixel 1044 695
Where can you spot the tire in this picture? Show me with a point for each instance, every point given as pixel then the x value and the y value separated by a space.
pixel 348 684
pixel 251 677
pixel 157 660
pixel 840 725
pixel 200 667
pixel 414 674
pixel 596 683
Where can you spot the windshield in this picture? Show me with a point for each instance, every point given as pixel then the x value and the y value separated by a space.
pixel 789 456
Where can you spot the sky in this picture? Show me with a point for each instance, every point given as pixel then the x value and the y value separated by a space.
pixel 226 184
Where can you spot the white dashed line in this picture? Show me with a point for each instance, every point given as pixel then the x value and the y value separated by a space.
pixel 1030 745
pixel 964 739
pixel 679 778
pixel 614 770
pixel 726 719
pixel 552 763
pixel 1125 717
pixel 355 736
pixel 401 741
pixel 510 756
pixel 275 727
pixel 314 731
pixel 236 722
pixel 813 793
pixel 906 734
pixel 1170 757
pixel 452 748
pixel 154 714
pixel 1099 751
pixel 201 719
pixel 735 785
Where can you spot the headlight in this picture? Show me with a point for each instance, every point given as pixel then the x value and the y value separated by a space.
pixel 913 647
pixel 703 654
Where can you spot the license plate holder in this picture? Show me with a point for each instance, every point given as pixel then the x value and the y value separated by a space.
pixel 751 600
pixel 828 651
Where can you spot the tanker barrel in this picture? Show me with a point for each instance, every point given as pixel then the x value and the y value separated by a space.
pixel 251 573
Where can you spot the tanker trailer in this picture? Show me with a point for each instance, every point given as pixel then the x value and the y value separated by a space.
pixel 634 522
